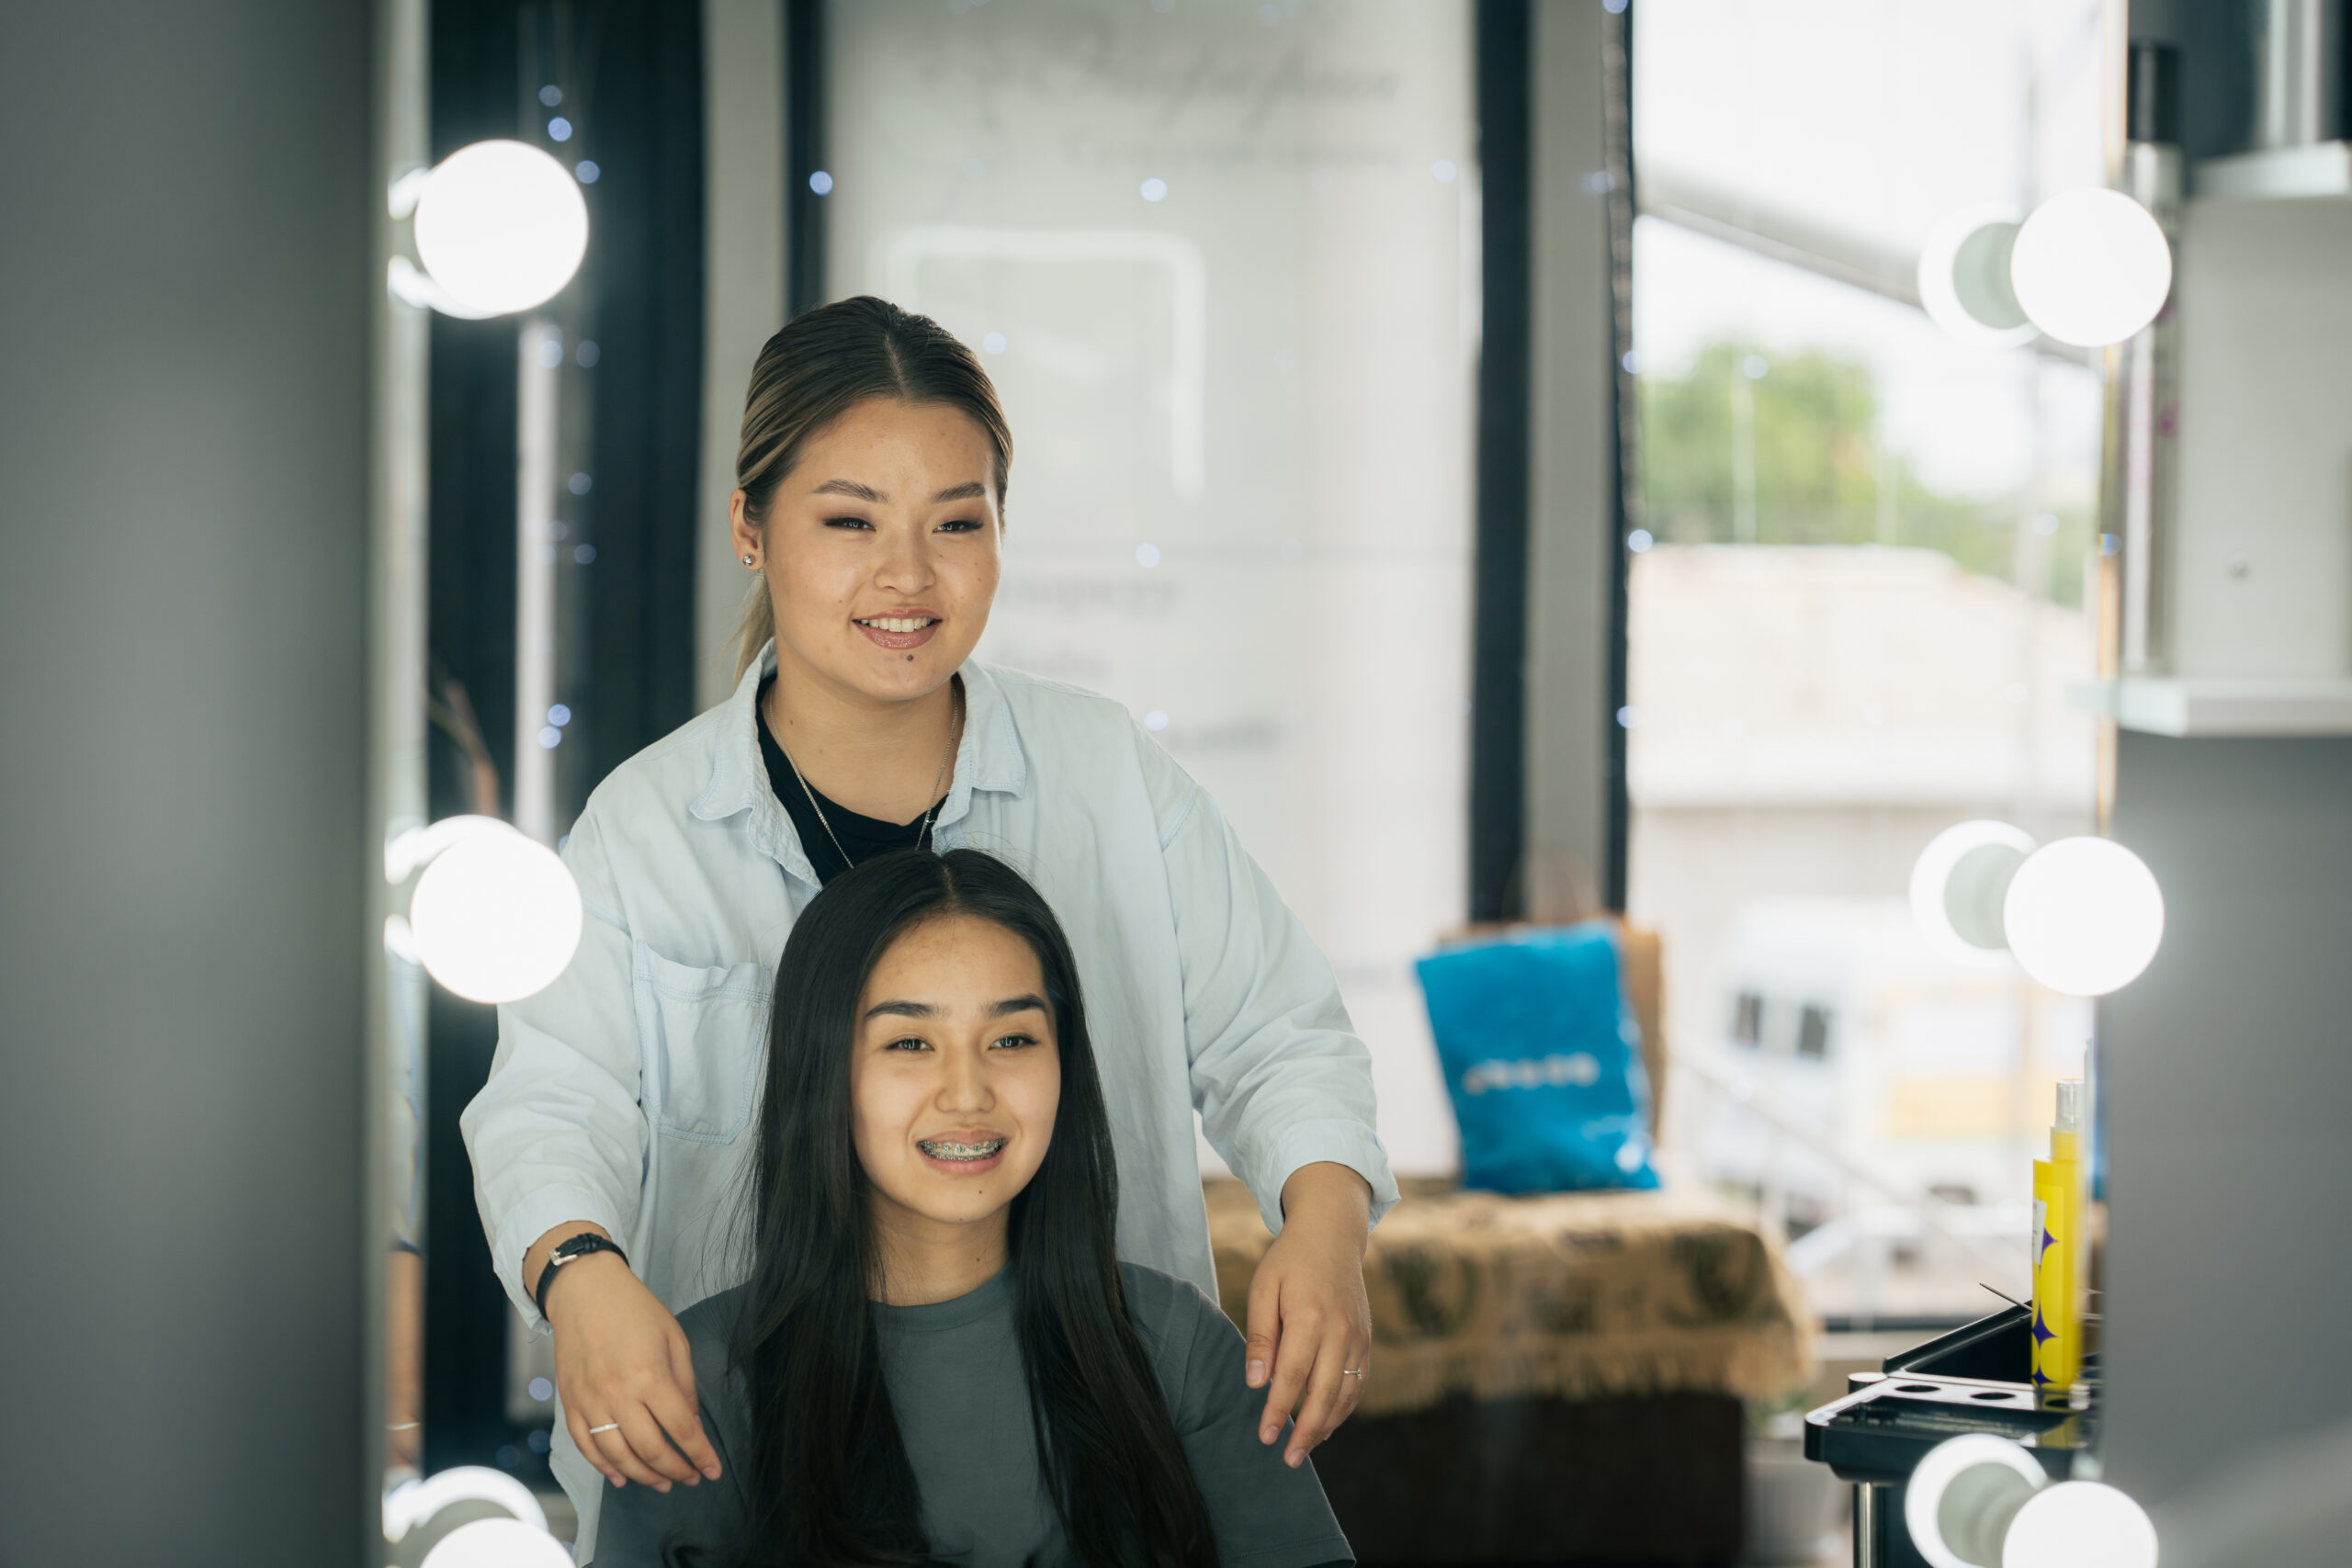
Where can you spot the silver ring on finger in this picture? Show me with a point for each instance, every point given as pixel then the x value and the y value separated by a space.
pixel 1352 1372
pixel 607 1427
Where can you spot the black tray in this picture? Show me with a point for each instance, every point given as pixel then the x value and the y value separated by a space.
pixel 1974 1379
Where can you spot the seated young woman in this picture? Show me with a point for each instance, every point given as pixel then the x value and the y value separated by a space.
pixel 938 1356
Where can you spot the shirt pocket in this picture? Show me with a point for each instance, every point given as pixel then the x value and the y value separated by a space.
pixel 706 1036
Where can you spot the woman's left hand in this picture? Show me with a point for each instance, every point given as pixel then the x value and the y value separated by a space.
pixel 1310 1322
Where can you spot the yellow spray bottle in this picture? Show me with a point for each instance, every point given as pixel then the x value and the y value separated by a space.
pixel 2057 1237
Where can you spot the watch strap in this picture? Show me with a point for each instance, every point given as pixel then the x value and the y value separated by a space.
pixel 569 1251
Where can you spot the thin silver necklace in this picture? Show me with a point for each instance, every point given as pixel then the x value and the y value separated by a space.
pixel 955 717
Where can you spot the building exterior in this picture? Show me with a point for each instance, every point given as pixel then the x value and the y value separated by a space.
pixel 1804 719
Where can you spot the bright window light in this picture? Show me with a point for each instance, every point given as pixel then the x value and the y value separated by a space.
pixel 501 226
pixel 496 915
pixel 2091 267
pixel 2083 916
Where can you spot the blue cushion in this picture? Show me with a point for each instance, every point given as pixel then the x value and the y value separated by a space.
pixel 1542 1057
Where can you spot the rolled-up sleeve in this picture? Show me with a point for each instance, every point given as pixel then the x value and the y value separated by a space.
pixel 558 1133
pixel 1279 1076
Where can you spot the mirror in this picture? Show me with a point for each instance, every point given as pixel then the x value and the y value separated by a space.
pixel 1336 340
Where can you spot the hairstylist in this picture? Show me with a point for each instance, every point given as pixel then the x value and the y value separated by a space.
pixel 611 1143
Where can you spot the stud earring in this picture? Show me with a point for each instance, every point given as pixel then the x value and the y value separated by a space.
pixel 747 560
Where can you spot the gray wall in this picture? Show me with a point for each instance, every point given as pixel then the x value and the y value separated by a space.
pixel 2227 1093
pixel 184 293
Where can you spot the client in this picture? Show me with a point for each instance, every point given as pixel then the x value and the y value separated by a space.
pixel 937 1356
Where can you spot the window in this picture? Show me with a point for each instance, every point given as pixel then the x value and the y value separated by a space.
pixel 1747 1019
pixel 1813 1031
pixel 1862 588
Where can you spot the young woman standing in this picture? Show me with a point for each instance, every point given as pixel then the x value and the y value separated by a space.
pixel 610 1143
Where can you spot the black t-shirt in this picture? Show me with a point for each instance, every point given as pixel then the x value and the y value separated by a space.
pixel 862 837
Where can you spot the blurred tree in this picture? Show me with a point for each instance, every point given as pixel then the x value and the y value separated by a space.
pixel 1749 446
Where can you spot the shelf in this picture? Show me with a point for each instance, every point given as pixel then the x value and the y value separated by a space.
pixel 2217 705
pixel 2282 174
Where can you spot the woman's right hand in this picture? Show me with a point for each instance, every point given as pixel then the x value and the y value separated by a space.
pixel 621 1362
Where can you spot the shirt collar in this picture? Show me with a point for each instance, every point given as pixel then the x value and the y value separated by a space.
pixel 989 757
pixel 739 779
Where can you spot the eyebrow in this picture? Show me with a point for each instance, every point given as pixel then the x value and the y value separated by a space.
pixel 1004 1008
pixel 974 490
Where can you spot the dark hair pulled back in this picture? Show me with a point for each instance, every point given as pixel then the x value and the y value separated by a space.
pixel 825 362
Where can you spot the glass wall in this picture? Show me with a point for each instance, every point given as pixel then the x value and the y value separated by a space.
pixel 1862 586
pixel 1221 259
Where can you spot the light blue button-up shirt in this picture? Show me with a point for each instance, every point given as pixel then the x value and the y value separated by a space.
pixel 623 1093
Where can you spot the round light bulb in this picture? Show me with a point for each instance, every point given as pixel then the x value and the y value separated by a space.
pixel 501 226
pixel 1964 277
pixel 2091 267
pixel 1957 886
pixel 498 1543
pixel 2083 916
pixel 1979 1473
pixel 411 1503
pixel 496 915
pixel 2079 1524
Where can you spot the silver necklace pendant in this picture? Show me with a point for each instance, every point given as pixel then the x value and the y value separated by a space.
pixel 923 833
pixel 821 822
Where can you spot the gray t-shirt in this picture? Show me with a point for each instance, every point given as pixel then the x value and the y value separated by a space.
pixel 956 1383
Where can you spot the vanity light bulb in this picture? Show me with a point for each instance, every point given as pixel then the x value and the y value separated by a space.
pixel 501 226
pixel 413 1501
pixel 2083 916
pixel 1957 886
pixel 2090 267
pixel 1955 1492
pixel 1979 1501
pixel 2079 1524
pixel 496 915
pixel 1964 277
pixel 497 1543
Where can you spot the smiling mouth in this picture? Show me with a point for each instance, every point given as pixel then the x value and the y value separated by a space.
pixel 940 1148
pixel 898 623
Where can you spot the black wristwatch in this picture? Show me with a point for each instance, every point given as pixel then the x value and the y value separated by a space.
pixel 571 1251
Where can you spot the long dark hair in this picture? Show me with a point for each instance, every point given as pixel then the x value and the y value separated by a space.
pixel 829 1481
pixel 823 363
